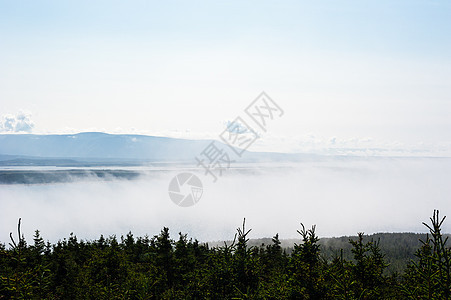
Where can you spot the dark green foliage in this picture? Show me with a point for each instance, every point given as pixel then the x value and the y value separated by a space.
pixel 399 248
pixel 429 277
pixel 362 277
pixel 24 273
pixel 306 269
pixel 163 268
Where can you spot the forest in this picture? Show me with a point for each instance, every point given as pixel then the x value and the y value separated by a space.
pixel 159 267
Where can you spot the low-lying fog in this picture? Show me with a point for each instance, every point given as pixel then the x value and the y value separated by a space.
pixel 342 197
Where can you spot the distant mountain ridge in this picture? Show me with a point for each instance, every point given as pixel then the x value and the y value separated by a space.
pixel 93 147
pixel 97 145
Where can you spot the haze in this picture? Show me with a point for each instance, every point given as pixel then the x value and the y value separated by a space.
pixel 341 197
pixel 364 85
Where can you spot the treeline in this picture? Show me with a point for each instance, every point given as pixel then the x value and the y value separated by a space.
pixel 162 268
pixel 398 248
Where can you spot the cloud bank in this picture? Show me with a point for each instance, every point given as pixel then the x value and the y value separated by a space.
pixel 21 122
pixel 342 197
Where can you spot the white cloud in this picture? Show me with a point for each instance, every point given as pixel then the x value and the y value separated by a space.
pixel 21 122
pixel 342 145
pixel 236 127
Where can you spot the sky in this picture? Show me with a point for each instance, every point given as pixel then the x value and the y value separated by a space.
pixel 353 77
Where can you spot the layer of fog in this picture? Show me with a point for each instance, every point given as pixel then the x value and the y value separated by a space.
pixel 341 197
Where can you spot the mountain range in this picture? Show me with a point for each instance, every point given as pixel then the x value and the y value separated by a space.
pixel 103 148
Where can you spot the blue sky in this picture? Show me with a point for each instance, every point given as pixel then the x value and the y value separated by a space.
pixel 349 74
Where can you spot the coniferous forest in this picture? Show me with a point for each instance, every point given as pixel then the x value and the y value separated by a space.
pixel 164 268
